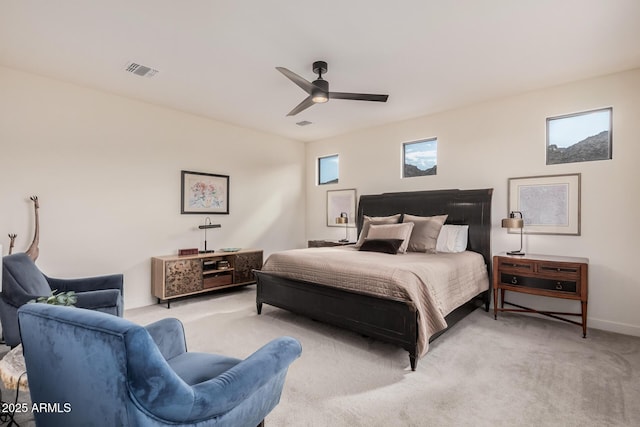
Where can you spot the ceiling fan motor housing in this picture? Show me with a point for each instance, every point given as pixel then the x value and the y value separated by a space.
pixel 320 67
pixel 322 84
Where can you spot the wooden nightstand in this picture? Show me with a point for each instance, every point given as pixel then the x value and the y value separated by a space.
pixel 544 275
pixel 326 243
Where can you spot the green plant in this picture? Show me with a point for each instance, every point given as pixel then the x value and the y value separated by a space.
pixel 68 298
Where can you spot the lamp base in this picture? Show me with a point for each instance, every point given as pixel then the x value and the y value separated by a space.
pixel 517 253
pixel 206 251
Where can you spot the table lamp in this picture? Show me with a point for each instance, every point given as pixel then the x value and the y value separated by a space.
pixel 344 219
pixel 513 222
pixel 207 225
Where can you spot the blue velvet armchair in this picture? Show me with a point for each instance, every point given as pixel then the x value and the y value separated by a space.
pixel 103 370
pixel 22 281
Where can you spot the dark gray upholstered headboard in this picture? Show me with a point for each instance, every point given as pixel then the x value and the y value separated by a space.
pixel 471 207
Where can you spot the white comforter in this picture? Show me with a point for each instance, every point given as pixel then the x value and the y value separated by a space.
pixel 435 283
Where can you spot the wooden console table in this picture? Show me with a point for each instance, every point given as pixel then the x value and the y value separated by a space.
pixel 543 275
pixel 176 276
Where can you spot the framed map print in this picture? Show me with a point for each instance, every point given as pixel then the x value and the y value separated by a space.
pixel 549 204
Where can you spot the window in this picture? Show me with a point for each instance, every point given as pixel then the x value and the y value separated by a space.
pixel 580 137
pixel 328 170
pixel 419 158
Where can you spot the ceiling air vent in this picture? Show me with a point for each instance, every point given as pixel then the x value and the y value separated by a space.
pixel 303 123
pixel 140 70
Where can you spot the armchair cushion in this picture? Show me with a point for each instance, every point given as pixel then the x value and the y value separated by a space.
pixel 195 368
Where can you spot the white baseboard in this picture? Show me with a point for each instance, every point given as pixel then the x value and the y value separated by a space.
pixel 620 328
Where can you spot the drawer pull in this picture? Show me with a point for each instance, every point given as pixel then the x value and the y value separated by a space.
pixel 514 280
pixel 559 286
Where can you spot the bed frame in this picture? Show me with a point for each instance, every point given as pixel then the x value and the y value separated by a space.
pixel 389 320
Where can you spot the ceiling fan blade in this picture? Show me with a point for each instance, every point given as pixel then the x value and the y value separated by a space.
pixel 304 84
pixel 358 96
pixel 308 102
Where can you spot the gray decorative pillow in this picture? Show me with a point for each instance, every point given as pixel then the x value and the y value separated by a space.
pixel 392 231
pixel 425 232
pixel 368 220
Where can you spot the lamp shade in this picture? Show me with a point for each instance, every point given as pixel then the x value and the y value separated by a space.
pixel 512 223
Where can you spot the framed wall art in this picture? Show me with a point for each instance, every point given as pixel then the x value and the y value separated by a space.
pixel 549 204
pixel 339 203
pixel 579 137
pixel 204 193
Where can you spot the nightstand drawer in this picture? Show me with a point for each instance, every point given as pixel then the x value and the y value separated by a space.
pixel 539 283
pixel 516 266
pixel 565 270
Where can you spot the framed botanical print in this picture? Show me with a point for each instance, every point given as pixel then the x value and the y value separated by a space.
pixel 204 193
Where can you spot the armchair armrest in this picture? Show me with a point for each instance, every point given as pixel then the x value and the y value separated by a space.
pixel 112 281
pixel 168 334
pixel 226 391
pixel 105 300
pixel 178 402
pixel 223 393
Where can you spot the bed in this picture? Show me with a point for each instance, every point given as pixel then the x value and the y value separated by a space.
pixel 392 317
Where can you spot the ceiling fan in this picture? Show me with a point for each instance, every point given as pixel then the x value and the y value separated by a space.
pixel 318 90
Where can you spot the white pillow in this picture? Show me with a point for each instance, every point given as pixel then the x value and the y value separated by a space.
pixel 392 231
pixel 452 238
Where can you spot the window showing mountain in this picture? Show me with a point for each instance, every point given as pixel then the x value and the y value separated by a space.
pixel 580 137
pixel 420 158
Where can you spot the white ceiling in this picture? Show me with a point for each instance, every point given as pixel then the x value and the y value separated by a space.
pixel 217 58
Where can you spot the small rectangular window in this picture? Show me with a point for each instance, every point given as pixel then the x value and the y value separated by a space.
pixel 328 170
pixel 420 158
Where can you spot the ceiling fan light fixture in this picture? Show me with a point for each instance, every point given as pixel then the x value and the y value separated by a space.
pixel 319 96
pixel 320 91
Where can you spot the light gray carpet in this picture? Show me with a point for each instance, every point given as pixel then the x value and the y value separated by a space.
pixel 514 371
pixel 517 370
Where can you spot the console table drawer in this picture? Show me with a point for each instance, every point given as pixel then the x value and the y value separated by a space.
pixel 539 283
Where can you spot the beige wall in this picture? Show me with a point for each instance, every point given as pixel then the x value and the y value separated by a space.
pixel 484 145
pixel 107 172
